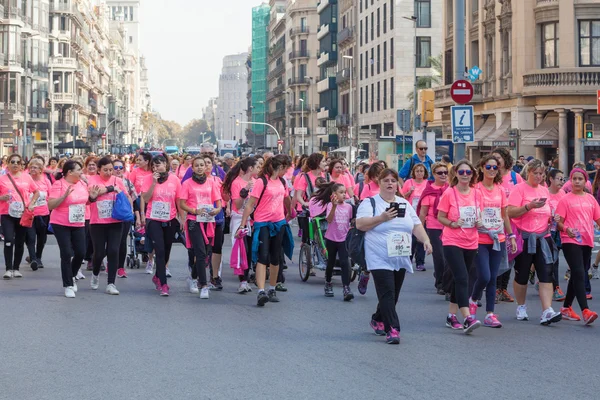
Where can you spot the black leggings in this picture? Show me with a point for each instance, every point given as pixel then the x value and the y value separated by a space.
pixel 200 249
pixel 217 248
pixel 37 236
pixel 387 285
pixel 303 224
pixel 460 261
pixel 333 249
pixel 269 247
pixel 89 246
pixel 106 239
pixel 439 263
pixel 14 241
pixel 123 243
pixel 578 257
pixel 524 260
pixel 161 234
pixel 71 243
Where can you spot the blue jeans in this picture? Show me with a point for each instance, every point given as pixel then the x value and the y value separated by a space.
pixel 488 263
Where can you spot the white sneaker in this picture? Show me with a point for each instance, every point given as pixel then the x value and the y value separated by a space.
pixel 111 289
pixel 522 313
pixel 204 293
pixel 193 285
pixel 595 273
pixel 8 275
pixel 242 288
pixel 17 274
pixel 69 292
pixel 169 273
pixel 248 287
pixel 74 286
pixel 550 316
pixel 80 275
pixel 149 268
pixel 95 282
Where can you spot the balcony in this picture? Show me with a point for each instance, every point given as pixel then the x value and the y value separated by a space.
pixel 345 35
pixel 327 57
pixel 299 30
pixel 539 3
pixel 276 72
pixel 12 12
pixel 275 92
pixel 323 4
pixel 343 76
pixel 323 31
pixel 61 7
pixel 443 98
pixel 63 63
pixel 323 114
pixel 63 98
pixel 298 81
pixel 342 121
pixel 277 49
pixel 62 127
pixel 562 81
pixel 326 84
pixel 277 114
pixel 299 54
pixel 297 108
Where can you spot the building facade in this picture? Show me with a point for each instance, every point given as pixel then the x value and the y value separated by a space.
pixel 259 71
pixel 233 88
pixel 327 63
pixel 534 95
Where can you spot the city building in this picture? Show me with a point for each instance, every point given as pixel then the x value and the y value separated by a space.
pixel 276 82
pixel 327 63
pixel 534 95
pixel 385 62
pixel 209 113
pixel 259 68
pixel 233 88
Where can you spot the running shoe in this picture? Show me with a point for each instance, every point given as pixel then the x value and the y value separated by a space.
pixel 273 296
pixel 149 267
pixel 363 282
pixel 242 288
pixel 121 273
pixel 34 265
pixel 69 293
pixel 262 298
pixel 40 264
pixel 348 295
pixel 169 273
pixel 470 325
pixel 378 327
pixel 164 290
pixel 217 284
pixel 27 259
pixel 587 295
pixel 522 313
pixel 80 275
pixel 248 287
pixel 506 297
pixel 95 282
pixel 558 295
pixel 421 267
pixel 18 274
pixel 492 321
pixel 192 285
pixel 204 293
pixel 568 314
pixel 111 289
pixel 74 286
pixel 328 289
pixel 472 307
pixel 595 272
pixel 280 288
pixel 393 337
pixel 589 316
pixel 156 282
pixel 452 322
pixel 441 292
pixel 550 316
pixel 568 275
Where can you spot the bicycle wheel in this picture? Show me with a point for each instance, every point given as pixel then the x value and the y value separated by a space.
pixel 304 262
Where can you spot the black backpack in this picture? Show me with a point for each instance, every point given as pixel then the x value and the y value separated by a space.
pixel 264 181
pixel 355 242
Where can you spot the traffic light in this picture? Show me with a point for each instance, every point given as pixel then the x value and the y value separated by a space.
pixel 426 106
pixel 589 131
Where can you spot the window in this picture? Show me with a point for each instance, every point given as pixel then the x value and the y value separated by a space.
pixel 367 30
pixel 372 26
pixel 392 93
pixel 384 56
pixel 131 13
pixel 366 64
pixel 367 99
pixel 423 52
pixel 360 5
pixel 392 53
pixel 361 32
pixel 384 18
pixel 589 43
pixel 130 39
pixel 423 13
pixel 361 66
pixel 372 61
pixel 378 96
pixel 378 58
pixel 550 45
pixel 372 97
pixel 378 21
pixel 391 14
pixel 361 100
pixel 384 94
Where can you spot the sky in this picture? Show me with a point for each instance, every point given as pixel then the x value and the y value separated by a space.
pixel 184 42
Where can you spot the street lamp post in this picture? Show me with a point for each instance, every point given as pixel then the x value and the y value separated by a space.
pixel 260 123
pixel 302 123
pixel 351 122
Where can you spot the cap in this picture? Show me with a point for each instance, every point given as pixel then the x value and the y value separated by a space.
pixel 530 158
pixel 228 156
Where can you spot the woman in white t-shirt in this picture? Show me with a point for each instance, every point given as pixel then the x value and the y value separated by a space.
pixel 388 243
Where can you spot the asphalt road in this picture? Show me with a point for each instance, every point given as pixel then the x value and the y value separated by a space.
pixel 142 346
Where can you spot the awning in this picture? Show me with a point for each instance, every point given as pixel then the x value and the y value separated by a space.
pixel 484 129
pixel 499 136
pixel 79 144
pixel 546 134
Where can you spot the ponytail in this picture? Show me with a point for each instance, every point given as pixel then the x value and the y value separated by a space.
pixel 323 196
pixel 241 166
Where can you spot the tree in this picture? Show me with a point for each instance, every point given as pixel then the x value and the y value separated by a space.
pixel 158 130
pixel 196 132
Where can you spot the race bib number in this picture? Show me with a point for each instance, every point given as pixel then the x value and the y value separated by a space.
pixel 399 244
pixel 415 202
pixel 42 199
pixel 16 209
pixel 105 208
pixel 492 218
pixel 77 213
pixel 205 217
pixel 161 211
pixel 469 216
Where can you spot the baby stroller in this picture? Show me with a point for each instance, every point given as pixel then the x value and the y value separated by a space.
pixel 136 247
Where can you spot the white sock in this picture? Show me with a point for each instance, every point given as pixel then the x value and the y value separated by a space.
pixel 271 287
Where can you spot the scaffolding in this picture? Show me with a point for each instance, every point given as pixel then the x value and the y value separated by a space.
pixel 260 66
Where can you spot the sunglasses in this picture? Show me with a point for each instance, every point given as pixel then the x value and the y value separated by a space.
pixel 441 173
pixel 117 168
pixel 467 172
pixel 494 167
pixel 560 179
pixel 14 162
pixel 423 148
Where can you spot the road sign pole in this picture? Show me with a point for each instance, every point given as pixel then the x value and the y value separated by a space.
pixel 459 59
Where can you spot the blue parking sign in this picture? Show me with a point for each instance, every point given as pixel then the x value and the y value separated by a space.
pixel 463 125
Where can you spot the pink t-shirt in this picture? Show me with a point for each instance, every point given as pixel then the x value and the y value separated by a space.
pixel 369 190
pixel 344 179
pixel 416 194
pixel 508 184
pixel 535 220
pixel 26 186
pixel 301 184
pixel 579 212
pixel 101 209
pixel 314 208
pixel 71 212
pixel 137 177
pixel 196 195
pixel 553 199
pixel 236 186
pixel 161 206
pixel 43 185
pixel 271 207
pixel 465 237
pixel 431 220
pixel 337 230
pixel 181 170
pixel 491 203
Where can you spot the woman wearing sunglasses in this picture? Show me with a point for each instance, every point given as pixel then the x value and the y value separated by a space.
pixel 555 182
pixel 458 211
pixel 529 209
pixel 119 172
pixel 492 238
pixel 412 191
pixel 427 209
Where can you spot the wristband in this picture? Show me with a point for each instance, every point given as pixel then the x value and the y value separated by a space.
pixel 512 236
pixel 110 189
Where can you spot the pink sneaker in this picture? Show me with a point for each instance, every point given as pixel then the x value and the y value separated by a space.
pixel 492 321
pixel 156 282
pixel 472 307
pixel 121 273
pixel 164 291
pixel 393 337
pixel 378 327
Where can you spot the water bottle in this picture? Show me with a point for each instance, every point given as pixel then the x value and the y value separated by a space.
pixel 577 235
